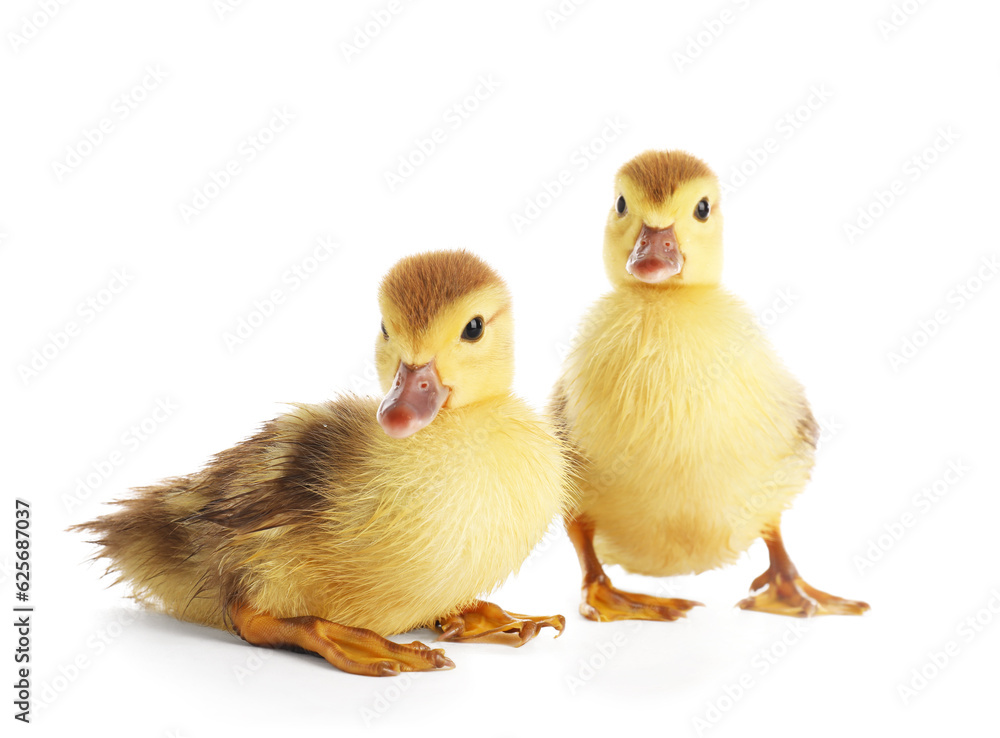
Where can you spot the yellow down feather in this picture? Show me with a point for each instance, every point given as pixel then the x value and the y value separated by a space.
pixel 692 435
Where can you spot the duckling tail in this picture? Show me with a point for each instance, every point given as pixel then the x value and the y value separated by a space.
pixel 153 545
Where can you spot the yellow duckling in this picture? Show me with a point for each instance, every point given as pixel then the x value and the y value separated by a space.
pixel 340 523
pixel 690 436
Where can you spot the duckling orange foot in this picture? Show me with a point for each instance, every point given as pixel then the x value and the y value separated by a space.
pixel 783 592
pixel 485 622
pixel 797 599
pixel 605 603
pixel 354 650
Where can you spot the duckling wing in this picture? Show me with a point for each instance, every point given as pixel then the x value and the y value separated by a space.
pixel 807 427
pixel 283 476
pixel 561 427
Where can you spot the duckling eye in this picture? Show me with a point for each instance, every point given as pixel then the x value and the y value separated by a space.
pixel 702 209
pixel 620 207
pixel 474 329
pixel 385 333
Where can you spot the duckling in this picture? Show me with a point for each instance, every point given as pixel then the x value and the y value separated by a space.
pixel 688 434
pixel 340 523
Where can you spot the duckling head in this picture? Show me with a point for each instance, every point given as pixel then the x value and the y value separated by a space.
pixel 446 340
pixel 665 227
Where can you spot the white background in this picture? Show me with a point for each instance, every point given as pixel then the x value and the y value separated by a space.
pixel 891 429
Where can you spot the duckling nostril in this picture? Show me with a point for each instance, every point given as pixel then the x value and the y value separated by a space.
pixel 424 385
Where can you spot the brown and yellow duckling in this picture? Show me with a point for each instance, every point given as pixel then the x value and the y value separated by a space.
pixel 341 523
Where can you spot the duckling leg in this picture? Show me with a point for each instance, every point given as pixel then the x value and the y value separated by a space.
pixel 785 592
pixel 604 603
pixel 484 622
pixel 354 650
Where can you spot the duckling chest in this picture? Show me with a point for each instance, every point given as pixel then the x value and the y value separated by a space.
pixel 463 507
pixel 672 384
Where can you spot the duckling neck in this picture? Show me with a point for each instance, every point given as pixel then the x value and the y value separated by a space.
pixel 672 290
pixel 673 320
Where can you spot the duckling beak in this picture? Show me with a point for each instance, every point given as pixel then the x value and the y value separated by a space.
pixel 655 256
pixel 414 400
